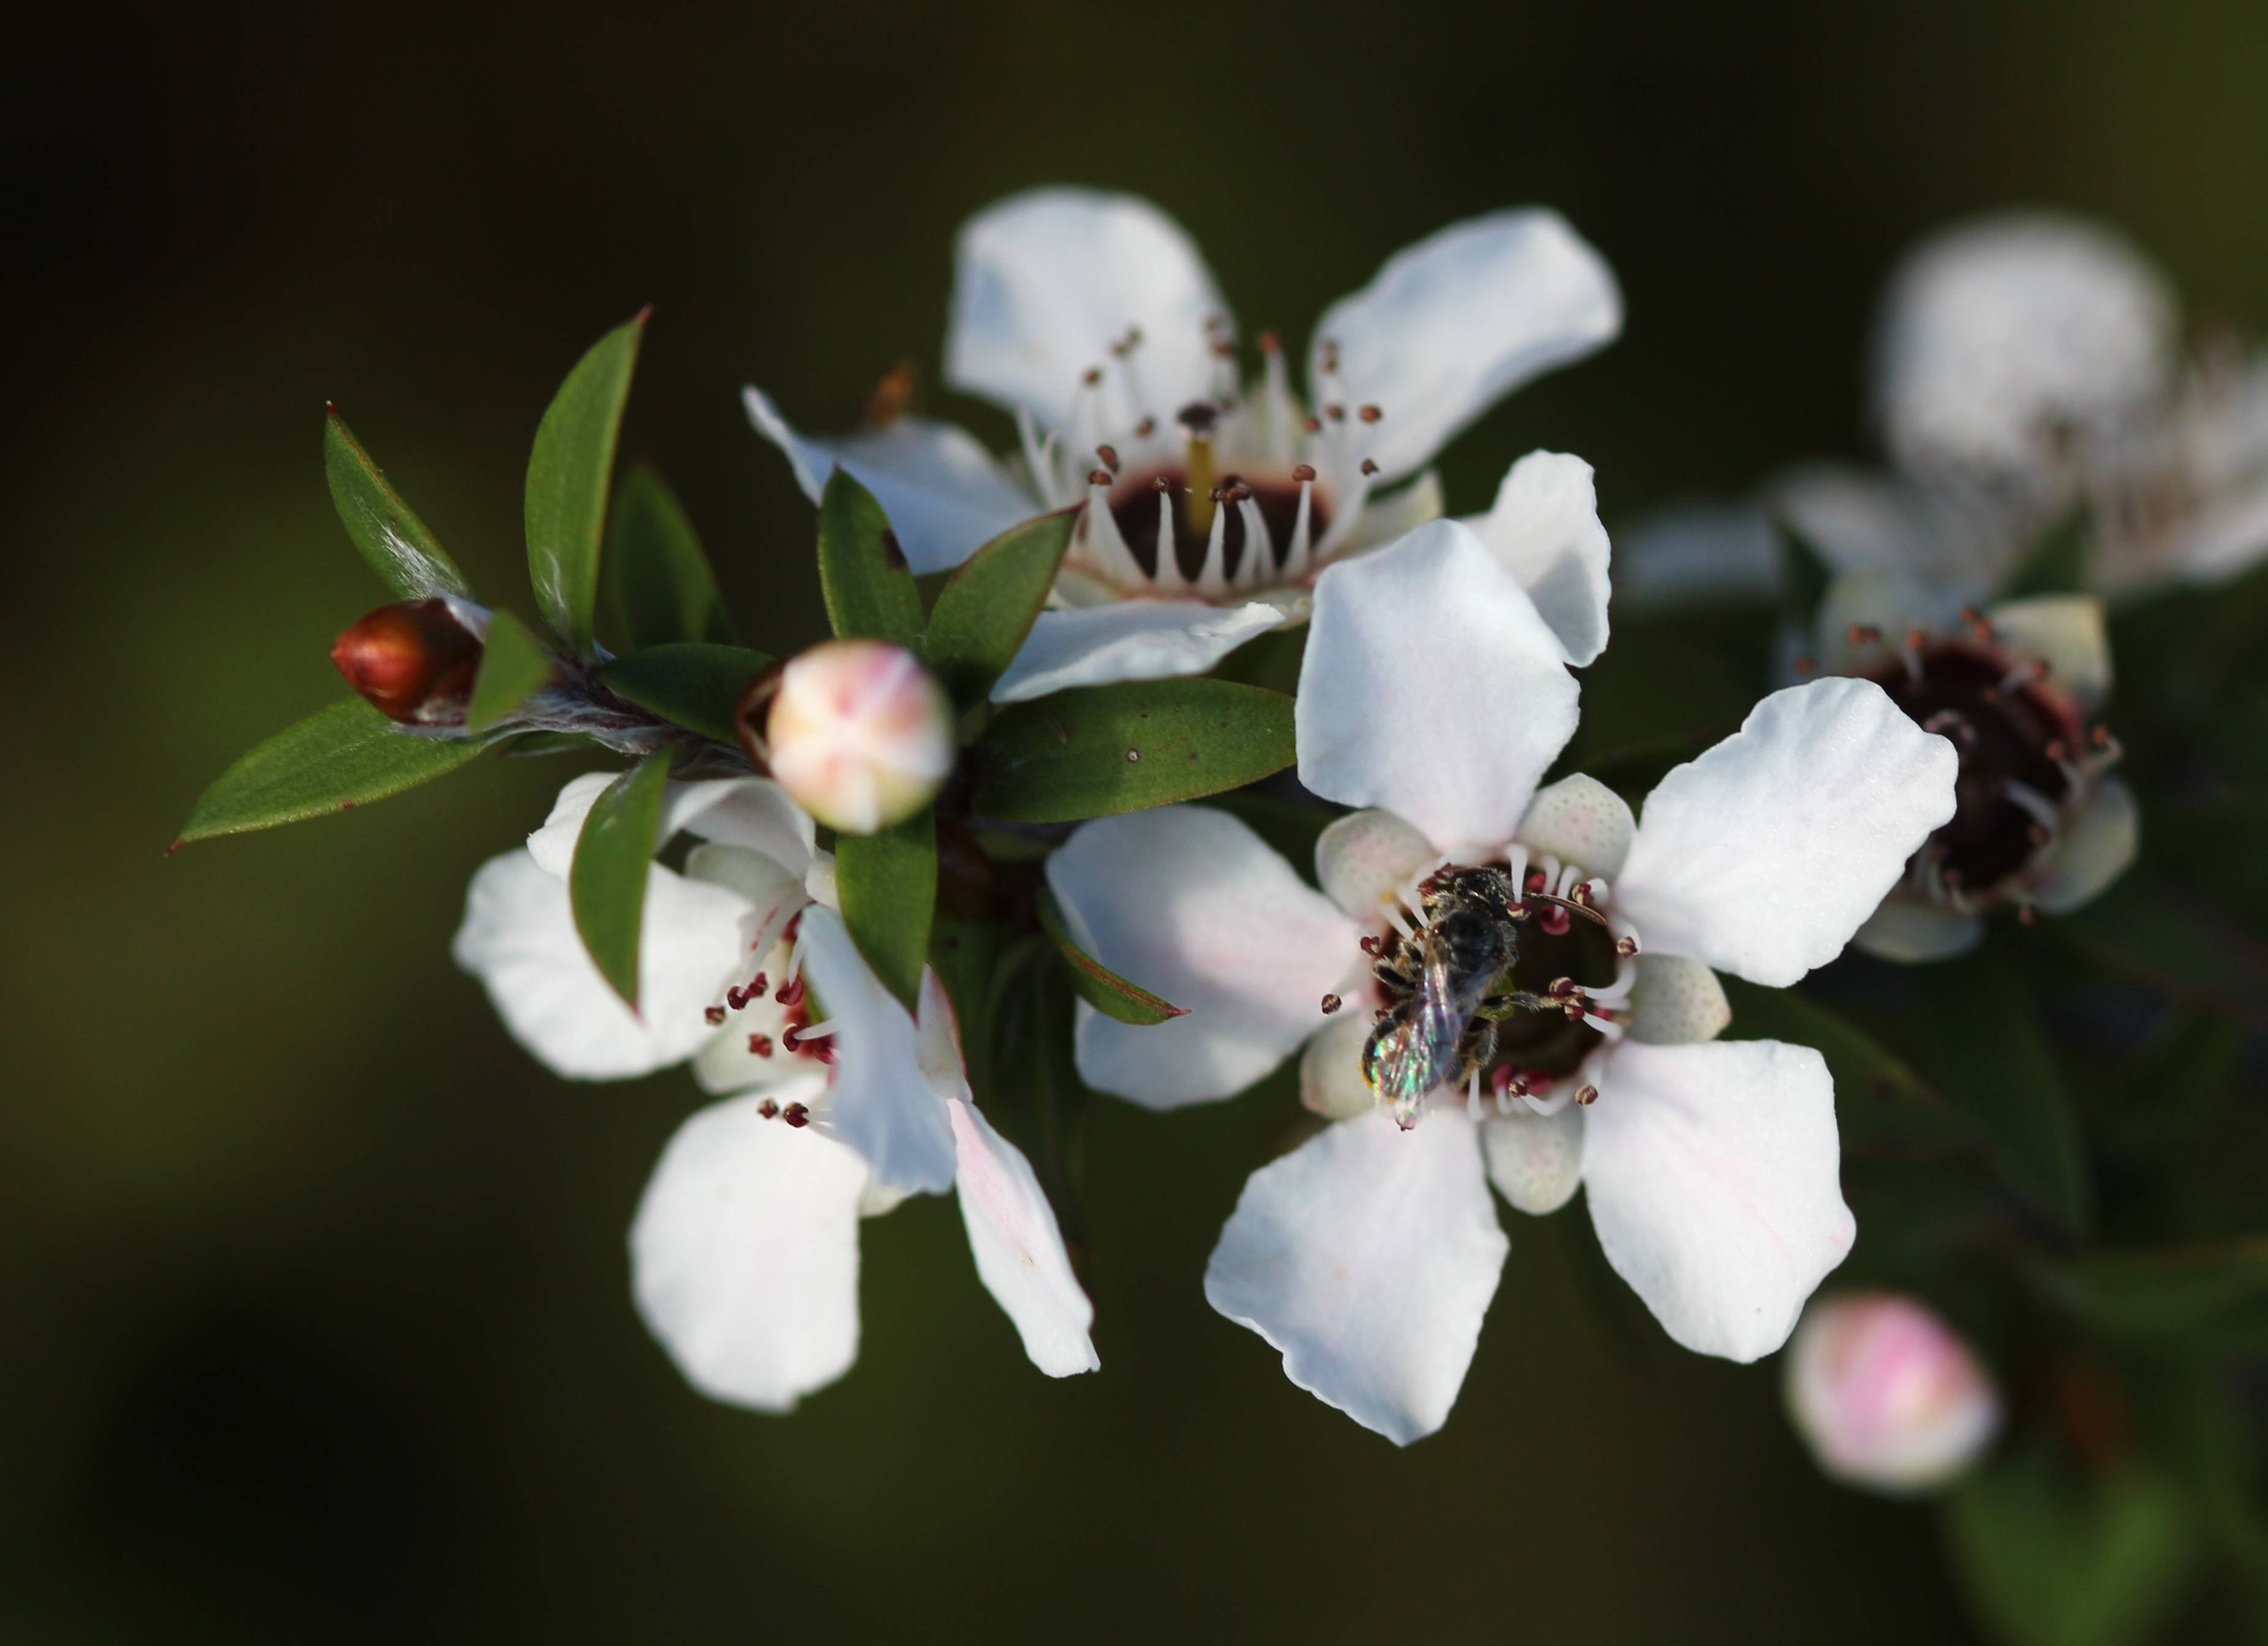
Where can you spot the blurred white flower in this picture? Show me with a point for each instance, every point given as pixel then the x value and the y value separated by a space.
pixel 1211 503
pixel 2016 687
pixel 859 733
pixel 2025 366
pixel 1885 1395
pixel 745 1250
pixel 1436 694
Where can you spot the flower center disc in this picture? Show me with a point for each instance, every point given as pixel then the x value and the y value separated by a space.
pixel 1134 506
pixel 2013 737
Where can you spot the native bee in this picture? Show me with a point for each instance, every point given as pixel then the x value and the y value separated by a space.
pixel 1450 985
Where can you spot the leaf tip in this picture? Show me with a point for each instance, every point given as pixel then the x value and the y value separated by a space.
pixel 644 315
pixel 178 844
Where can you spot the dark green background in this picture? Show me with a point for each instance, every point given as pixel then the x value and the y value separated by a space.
pixel 313 1286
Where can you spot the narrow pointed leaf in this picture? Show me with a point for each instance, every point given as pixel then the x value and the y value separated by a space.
pixel 568 476
pixel 663 588
pixel 1096 984
pixel 2000 1071
pixel 694 683
pixel 1098 750
pixel 2058 564
pixel 887 886
pixel 614 858
pixel 985 612
pixel 2216 1296
pixel 346 756
pixel 402 551
pixel 514 666
pixel 870 591
pixel 1804 575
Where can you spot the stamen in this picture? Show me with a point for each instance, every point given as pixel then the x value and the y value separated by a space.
pixel 1168 576
pixel 1277 397
pixel 1113 558
pixel 1212 577
pixel 1473 1095
pixel 1259 555
pixel 1295 558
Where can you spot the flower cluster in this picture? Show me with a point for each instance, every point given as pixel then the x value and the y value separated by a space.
pixel 904 898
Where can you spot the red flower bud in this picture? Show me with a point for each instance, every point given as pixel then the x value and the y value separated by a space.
pixel 412 661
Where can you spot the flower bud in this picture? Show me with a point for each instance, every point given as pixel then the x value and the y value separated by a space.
pixel 1886 1396
pixel 414 661
pixel 859 733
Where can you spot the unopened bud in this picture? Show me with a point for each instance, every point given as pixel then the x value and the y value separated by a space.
pixel 859 733
pixel 414 661
pixel 1886 1396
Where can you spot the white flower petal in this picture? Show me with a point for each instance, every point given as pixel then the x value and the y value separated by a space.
pixel 1045 281
pixel 1432 688
pixel 1579 820
pixel 1398 513
pixel 1909 931
pixel 1534 1160
pixel 753 812
pixel 1763 856
pixel 1131 639
pixel 744 1256
pixel 1676 1001
pixel 1712 1176
pixel 2099 842
pixel 1330 1068
pixel 1367 857
pixel 1861 519
pixel 944 495
pixel 1999 336
pixel 519 938
pixel 1368 1256
pixel 552 845
pixel 1190 904
pixel 2066 632
pixel 1451 325
pixel 1018 1250
pixel 884 1106
pixel 1544 530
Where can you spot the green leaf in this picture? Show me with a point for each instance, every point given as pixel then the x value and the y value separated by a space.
pixel 346 756
pixel 887 886
pixel 2053 1557
pixel 613 860
pixel 391 537
pixel 692 684
pixel 2058 564
pixel 1097 750
pixel 869 592
pixel 2215 1296
pixel 514 666
pixel 568 474
pixel 1096 984
pixel 2163 937
pixel 663 589
pixel 1879 1100
pixel 983 613
pixel 1804 573
pixel 2000 1071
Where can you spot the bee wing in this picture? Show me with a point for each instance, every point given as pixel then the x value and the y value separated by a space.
pixel 1416 1049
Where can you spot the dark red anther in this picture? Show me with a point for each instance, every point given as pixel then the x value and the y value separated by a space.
pixel 1144 429
pixel 1109 456
pixel 1586 1096
pixel 1098 476
pixel 796 1115
pixel 1267 343
pixel 1091 376
pixel 791 993
pixel 412 661
pixel 1369 465
pixel 1313 425
pixel 1331 1003
pixel 1626 947
pixel 2100 737
pixel 1161 484
pixel 1554 921
pixel 736 998
pixel 1370 414
pixel 760 1045
pixel 1336 413
pixel 712 1015
pixel 769 1109
pixel 1534 880
pixel 1303 473
pixel 756 989
pixel 1369 944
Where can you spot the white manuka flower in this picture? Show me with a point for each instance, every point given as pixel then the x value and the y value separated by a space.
pixel 1212 504
pixel 1434 693
pixel 745 1253
pixel 2025 366
pixel 2039 824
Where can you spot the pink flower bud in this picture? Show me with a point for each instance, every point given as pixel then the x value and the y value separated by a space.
pixel 415 660
pixel 1886 1395
pixel 861 733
